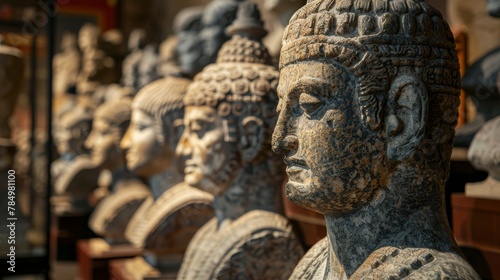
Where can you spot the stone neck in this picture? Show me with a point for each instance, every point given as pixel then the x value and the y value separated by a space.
pixel 161 182
pixel 255 188
pixel 119 174
pixel 386 221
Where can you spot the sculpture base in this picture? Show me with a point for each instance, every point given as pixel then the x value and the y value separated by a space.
pixel 94 256
pixel 476 228
pixel 66 229
pixel 137 269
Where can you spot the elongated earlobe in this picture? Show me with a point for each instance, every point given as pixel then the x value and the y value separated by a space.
pixel 406 118
pixel 252 137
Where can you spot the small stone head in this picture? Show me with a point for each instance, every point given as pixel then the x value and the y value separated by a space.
pixel 366 87
pixel 218 15
pixel 73 129
pixel 484 151
pixel 230 113
pixel 111 121
pixel 187 27
pixel 156 126
pixel 87 37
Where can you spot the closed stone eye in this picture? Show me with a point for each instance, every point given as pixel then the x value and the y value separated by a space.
pixel 309 104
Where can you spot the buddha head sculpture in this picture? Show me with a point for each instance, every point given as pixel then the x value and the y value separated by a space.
pixel 187 27
pixel 366 88
pixel 369 92
pixel 217 16
pixel 155 126
pixel 111 121
pixel 230 113
pixel 11 75
pixel 72 130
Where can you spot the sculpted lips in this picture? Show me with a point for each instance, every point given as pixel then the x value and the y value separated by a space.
pixel 190 167
pixel 296 169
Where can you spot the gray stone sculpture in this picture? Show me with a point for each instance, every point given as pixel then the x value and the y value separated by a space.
pixel 165 223
pixel 484 154
pixel 130 63
pixel 368 104
pixel 217 16
pixel 226 145
pixel 481 82
pixel 493 7
pixel 187 27
pixel 126 193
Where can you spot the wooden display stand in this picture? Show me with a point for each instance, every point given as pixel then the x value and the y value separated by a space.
pixel 94 256
pixel 118 271
pixel 66 229
pixel 476 226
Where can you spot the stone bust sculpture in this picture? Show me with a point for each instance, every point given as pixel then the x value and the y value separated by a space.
pixel 368 104
pixel 126 193
pixel 165 223
pixel 226 148
pixel 484 154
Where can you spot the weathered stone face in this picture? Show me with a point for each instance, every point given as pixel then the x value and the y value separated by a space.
pixel 333 160
pixel 212 159
pixel 145 154
pixel 73 130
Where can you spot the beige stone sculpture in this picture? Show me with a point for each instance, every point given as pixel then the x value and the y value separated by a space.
pixel 102 69
pixel 484 154
pixel 74 174
pixel 164 224
pixel 368 105
pixel 66 67
pixel 12 77
pixel 88 37
pixel 226 146
pixel 126 192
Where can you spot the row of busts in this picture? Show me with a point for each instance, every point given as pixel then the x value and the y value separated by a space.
pixel 194 180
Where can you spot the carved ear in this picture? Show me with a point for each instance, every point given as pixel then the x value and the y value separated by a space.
pixel 252 137
pixel 406 118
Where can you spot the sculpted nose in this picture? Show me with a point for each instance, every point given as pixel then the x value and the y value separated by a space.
pixel 183 148
pixel 283 142
pixel 125 143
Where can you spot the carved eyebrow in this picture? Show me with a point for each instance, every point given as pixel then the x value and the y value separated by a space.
pixel 304 84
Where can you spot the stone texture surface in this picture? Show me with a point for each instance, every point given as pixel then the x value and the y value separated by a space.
pixel 226 150
pixel 368 103
pixel 165 222
pixel 125 194
pixel 484 154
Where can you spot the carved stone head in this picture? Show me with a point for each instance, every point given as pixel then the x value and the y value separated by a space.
pixel 484 152
pixel 368 89
pixel 156 126
pixel 187 26
pixel 218 15
pixel 230 112
pixel 111 121
pixel 73 129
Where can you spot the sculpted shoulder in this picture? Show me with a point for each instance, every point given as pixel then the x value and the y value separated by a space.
pixel 414 263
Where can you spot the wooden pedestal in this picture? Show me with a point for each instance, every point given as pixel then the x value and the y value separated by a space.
pixel 120 270
pixel 65 230
pixel 476 226
pixel 95 254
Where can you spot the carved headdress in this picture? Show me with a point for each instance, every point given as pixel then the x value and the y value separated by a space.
pixel 162 100
pixel 243 80
pixel 377 41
